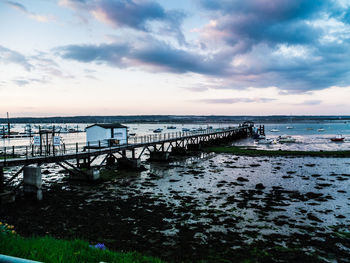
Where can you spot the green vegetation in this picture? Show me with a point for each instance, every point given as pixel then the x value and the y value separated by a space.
pixel 254 152
pixel 50 250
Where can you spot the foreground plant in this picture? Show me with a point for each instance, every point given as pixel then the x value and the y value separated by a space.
pixel 51 250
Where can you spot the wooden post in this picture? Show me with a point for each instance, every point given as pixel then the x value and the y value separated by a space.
pixel 41 141
pixel 47 144
pixel 53 138
pixel 89 153
pixel 13 151
pixel 133 153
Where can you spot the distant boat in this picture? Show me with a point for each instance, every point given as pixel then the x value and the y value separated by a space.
pixel 265 141
pixel 320 129
pixel 290 127
pixel 274 130
pixel 185 129
pixel 171 127
pixel 286 139
pixel 158 130
pixel 338 138
pixel 309 129
pixel 132 134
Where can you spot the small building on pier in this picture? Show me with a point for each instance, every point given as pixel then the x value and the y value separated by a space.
pixel 106 134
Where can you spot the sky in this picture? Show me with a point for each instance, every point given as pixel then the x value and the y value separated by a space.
pixel 183 57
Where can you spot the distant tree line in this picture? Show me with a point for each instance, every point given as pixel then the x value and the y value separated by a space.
pixel 175 119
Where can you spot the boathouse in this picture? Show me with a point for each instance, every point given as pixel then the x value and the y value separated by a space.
pixel 106 134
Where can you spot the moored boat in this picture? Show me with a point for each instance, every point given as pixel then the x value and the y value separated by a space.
pixel 265 141
pixel 338 138
pixel 274 130
pixel 286 139
pixel 158 130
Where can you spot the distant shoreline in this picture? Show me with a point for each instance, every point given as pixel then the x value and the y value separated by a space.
pixel 178 119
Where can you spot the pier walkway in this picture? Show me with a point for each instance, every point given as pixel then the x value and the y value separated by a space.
pixel 158 145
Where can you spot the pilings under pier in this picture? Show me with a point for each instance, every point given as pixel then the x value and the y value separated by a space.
pixel 159 148
pixel 129 163
pixel 178 151
pixel 194 147
pixel 159 156
pixel 1 179
pixel 32 181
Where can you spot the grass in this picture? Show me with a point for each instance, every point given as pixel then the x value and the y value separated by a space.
pixel 50 250
pixel 254 152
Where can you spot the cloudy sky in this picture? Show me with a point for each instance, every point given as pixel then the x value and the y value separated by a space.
pixel 126 57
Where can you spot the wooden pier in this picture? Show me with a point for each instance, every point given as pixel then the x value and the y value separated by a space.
pixel 74 157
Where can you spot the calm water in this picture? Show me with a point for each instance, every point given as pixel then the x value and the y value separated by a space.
pixel 308 135
pixel 139 129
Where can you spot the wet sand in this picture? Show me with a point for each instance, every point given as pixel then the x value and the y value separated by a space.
pixel 214 208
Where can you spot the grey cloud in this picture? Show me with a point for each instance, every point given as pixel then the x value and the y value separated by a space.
pixel 23 9
pixel 247 23
pixel 11 56
pixel 23 82
pixel 252 32
pixel 133 14
pixel 111 54
pixel 154 54
pixel 130 13
pixel 197 89
pixel 311 102
pixel 236 100
pixel 17 6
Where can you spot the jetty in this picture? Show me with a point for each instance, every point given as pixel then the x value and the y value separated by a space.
pixel 79 158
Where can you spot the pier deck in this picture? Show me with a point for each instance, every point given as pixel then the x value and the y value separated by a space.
pixel 25 155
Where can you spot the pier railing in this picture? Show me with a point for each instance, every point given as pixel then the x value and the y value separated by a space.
pixel 29 151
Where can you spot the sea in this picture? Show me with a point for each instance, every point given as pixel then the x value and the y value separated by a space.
pixel 308 135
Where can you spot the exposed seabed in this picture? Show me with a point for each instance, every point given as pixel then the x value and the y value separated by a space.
pixel 213 207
